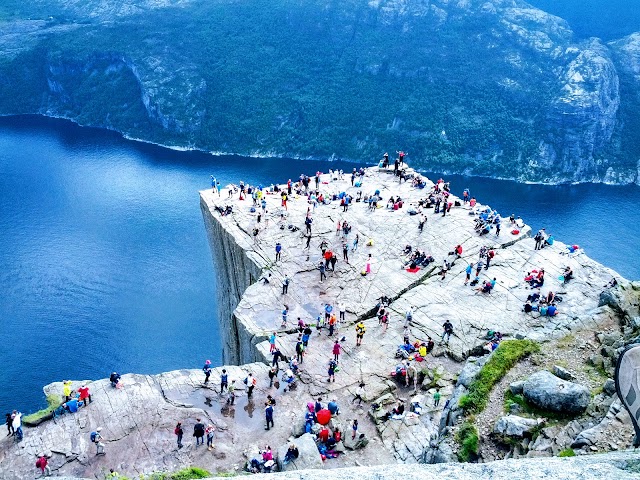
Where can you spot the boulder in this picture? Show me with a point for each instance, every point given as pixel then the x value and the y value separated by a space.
pixel 516 387
pixel 515 426
pixel 468 374
pixel 609 387
pixel 548 392
pixel 309 457
pixel 562 373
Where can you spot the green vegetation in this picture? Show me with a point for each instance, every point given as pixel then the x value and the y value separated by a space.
pixel 190 473
pixel 53 402
pixel 467 438
pixel 503 359
pixel 567 452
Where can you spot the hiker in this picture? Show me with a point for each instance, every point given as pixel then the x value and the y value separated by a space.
pixel 332 406
pixel 9 423
pixel 66 390
pixel 448 330
pixel 332 325
pixel 209 433
pixel 343 311
pixel 299 351
pixel 360 331
pixel 490 255
pixel 421 223
pixel 114 378
pixel 16 424
pixel 436 398
pixel 322 269
pixel 285 284
pixel 272 342
pixel 467 272
pixel 232 393
pixel 332 371
pixel 278 251
pixel 360 394
pixel 84 395
pixel 223 380
pixel 207 371
pixel 43 464
pixel 292 452
pixel 273 374
pixel 354 429
pixel 179 432
pixel 285 312
pixel 96 438
pixel 539 239
pixel 198 432
pixel 355 242
pixel 411 374
pixel 251 382
pixel 336 351
pixel 268 413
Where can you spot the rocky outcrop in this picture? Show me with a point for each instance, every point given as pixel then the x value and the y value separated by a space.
pixel 515 426
pixel 548 392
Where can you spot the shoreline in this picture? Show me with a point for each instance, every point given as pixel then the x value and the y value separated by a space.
pixel 332 158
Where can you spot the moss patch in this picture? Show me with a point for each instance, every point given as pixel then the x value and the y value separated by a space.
pixel 467 438
pixel 33 419
pixel 567 452
pixel 503 359
pixel 184 474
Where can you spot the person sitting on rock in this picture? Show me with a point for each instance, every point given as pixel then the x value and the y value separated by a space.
pixel 114 378
pixel 567 274
pixel 552 310
pixel 292 454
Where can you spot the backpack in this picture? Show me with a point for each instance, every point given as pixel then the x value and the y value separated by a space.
pixel 246 380
pixel 177 431
pixel 94 436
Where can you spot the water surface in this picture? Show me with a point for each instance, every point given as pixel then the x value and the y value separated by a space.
pixel 104 260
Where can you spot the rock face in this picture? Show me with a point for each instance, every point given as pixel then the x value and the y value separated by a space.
pixel 308 459
pixel 536 104
pixel 515 426
pixel 548 392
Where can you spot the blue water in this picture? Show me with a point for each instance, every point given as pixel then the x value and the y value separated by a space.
pixel 104 260
pixel 607 19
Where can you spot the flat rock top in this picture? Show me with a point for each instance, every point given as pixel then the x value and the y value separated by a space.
pixel 433 300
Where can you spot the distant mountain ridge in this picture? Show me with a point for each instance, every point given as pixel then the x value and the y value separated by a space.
pixel 495 88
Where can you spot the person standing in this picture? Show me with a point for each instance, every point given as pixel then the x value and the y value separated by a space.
pixel 285 285
pixel 367 267
pixel 360 331
pixel 251 384
pixel 224 379
pixel 232 393
pixel 273 373
pixel 209 433
pixel 207 371
pixel 96 437
pixel 299 351
pixel 448 330
pixel 345 251
pixel 436 398
pixel 332 371
pixel 278 251
pixel 354 429
pixel 272 342
pixel 84 394
pixel 66 390
pixel 16 424
pixel 336 351
pixel 179 432
pixel 43 464
pixel 198 432
pixel 343 311
pixel 268 413
pixel 9 423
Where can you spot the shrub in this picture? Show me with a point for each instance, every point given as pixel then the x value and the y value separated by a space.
pixel 567 452
pixel 467 438
pixel 503 359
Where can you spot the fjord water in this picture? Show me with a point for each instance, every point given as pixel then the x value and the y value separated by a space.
pixel 104 260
